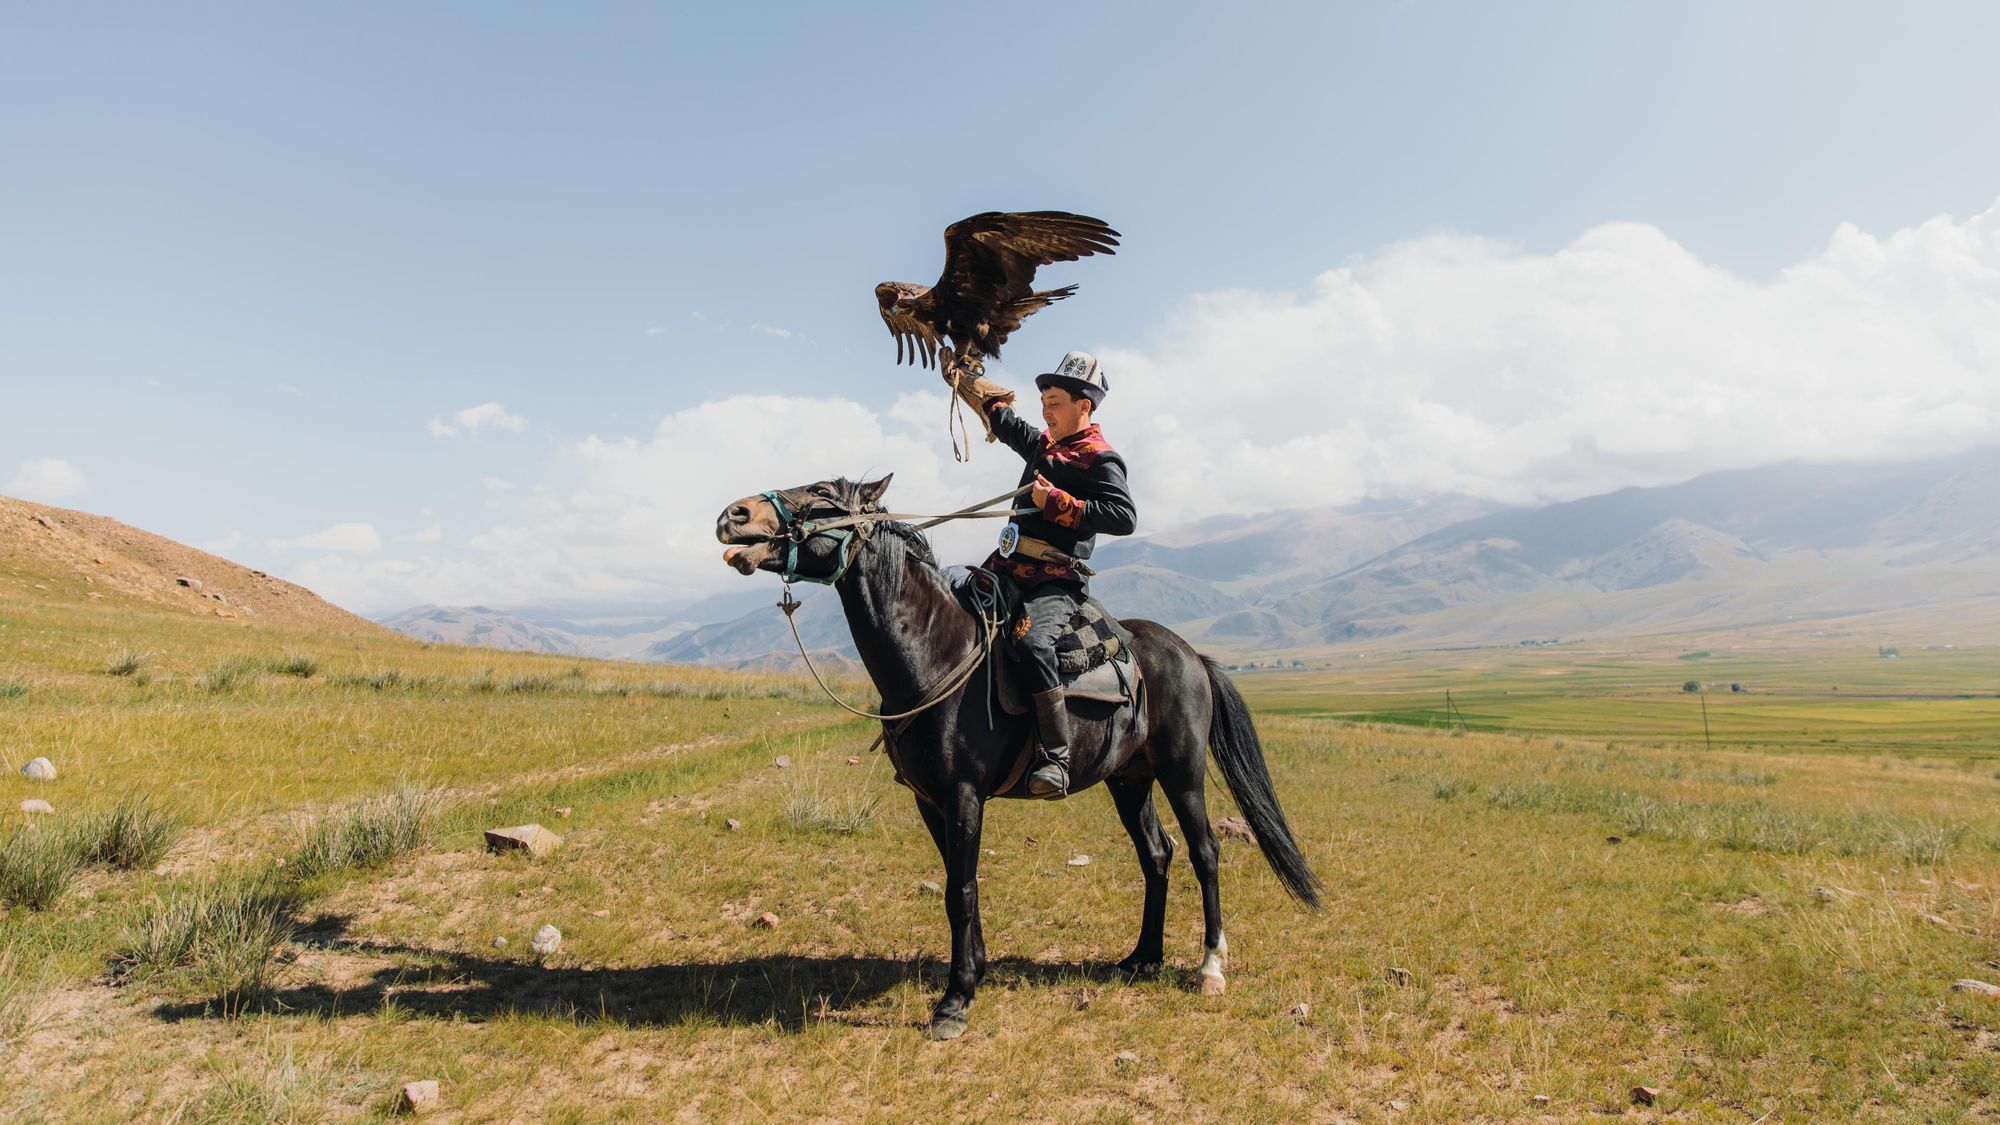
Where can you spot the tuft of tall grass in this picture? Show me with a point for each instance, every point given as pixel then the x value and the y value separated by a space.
pixel 232 673
pixel 388 679
pixel 132 835
pixel 24 1005
pixel 366 835
pixel 295 663
pixel 11 688
pixel 533 684
pixel 37 866
pixel 811 811
pixel 125 662
pixel 214 938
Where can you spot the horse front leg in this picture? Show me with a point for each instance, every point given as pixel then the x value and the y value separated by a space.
pixel 958 827
pixel 1156 852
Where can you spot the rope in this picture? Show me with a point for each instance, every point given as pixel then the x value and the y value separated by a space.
pixel 954 679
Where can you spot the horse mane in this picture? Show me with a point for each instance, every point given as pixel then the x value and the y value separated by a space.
pixel 916 542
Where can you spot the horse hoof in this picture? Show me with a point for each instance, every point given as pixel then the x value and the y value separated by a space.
pixel 1139 969
pixel 1212 984
pixel 945 1027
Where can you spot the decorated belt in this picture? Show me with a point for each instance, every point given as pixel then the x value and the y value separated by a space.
pixel 1012 542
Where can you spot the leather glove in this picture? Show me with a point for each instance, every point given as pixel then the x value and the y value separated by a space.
pixel 980 393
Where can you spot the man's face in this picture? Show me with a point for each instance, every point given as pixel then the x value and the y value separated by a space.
pixel 1064 413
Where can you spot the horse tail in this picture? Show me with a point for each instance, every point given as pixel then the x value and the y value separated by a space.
pixel 1233 740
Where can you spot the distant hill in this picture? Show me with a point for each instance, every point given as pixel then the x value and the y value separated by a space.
pixel 477 625
pixel 1793 547
pixel 1743 548
pixel 62 555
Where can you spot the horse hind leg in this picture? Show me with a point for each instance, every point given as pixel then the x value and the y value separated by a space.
pixel 1185 794
pixel 1156 853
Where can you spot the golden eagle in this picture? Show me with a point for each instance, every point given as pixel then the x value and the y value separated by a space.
pixel 986 289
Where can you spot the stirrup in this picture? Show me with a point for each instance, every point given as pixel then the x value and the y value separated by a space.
pixel 1049 782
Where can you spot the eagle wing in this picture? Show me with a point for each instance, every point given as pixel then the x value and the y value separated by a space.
pixel 915 335
pixel 990 261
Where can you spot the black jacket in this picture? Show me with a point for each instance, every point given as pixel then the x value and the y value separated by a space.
pixel 1089 497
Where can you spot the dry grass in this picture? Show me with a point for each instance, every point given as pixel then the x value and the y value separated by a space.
pixel 1773 936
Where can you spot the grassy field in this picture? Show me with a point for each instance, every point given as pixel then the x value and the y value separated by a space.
pixel 1931 701
pixel 1569 900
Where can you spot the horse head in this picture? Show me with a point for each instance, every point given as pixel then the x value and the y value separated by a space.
pixel 776 530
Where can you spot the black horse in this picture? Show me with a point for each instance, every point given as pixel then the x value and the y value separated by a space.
pixel 911 632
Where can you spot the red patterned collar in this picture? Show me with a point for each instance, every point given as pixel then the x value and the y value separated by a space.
pixel 1086 440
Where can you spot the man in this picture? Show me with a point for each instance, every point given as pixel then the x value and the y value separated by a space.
pixel 1077 490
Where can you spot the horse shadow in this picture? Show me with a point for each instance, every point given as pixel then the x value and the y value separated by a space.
pixel 790 992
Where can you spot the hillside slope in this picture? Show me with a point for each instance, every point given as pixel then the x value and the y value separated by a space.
pixel 56 554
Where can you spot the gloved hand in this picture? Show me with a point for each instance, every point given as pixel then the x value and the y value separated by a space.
pixel 980 393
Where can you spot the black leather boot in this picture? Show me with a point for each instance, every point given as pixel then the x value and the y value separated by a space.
pixel 1050 781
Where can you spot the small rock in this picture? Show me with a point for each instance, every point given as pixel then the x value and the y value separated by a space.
pixel 420 1097
pixel 767 920
pixel 1079 861
pixel 1614 839
pixel 1540 1099
pixel 41 769
pixel 190 583
pixel 600 914
pixel 930 888
pixel 1126 1058
pixel 36 805
pixel 732 824
pixel 784 762
pixel 1645 1095
pixel 1398 976
pixel 500 942
pixel 853 761
pixel 1978 986
pixel 46 522
pixel 1299 1010
pixel 564 812
pixel 547 940
pixel 531 838
pixel 1398 1104
pixel 1236 828
pixel 1825 894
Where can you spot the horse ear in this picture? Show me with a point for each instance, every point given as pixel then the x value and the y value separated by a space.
pixel 871 490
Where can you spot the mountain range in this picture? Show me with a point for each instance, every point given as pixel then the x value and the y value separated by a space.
pixel 1911 546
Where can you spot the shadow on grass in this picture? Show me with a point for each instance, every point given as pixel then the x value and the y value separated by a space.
pixel 789 992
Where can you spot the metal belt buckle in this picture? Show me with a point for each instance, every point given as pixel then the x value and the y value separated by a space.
pixel 1010 538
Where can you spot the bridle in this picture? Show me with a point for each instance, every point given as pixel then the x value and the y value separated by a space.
pixel 856 521
pixel 794 532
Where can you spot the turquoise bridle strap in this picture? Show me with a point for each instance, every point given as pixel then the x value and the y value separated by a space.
pixel 796 533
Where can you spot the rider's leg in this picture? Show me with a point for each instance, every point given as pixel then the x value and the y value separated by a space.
pixel 1048 612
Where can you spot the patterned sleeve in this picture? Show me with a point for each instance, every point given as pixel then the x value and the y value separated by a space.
pixel 1108 510
pixel 1020 437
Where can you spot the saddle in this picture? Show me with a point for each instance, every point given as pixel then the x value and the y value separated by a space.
pixel 1093 652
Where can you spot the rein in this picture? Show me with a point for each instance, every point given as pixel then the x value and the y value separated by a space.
pixel 844 528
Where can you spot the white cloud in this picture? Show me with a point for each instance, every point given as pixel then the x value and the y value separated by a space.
pixel 1462 364
pixel 776 332
pixel 475 418
pixel 430 534
pixel 355 538
pixel 495 484
pixel 1447 363
pixel 49 480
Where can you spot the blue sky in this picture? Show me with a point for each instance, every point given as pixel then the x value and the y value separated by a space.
pixel 255 259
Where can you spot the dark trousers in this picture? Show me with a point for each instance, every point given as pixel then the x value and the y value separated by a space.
pixel 1048 609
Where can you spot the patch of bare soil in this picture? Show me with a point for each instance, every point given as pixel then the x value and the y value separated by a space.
pixel 70 556
pixel 1752 907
